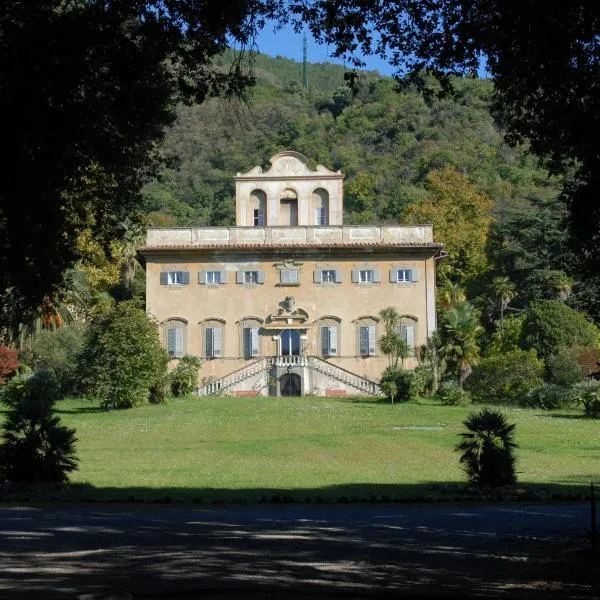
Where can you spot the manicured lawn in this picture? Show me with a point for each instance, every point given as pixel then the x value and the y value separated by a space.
pixel 241 448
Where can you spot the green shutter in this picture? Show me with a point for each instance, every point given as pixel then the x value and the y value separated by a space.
pixel 164 278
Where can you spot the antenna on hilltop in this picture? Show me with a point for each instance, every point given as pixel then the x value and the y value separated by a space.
pixel 305 62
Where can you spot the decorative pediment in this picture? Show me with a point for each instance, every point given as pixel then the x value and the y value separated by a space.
pixel 288 314
pixel 289 164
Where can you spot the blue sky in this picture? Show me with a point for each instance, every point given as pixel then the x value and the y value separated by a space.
pixel 288 44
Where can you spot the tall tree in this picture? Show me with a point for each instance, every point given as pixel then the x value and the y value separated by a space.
pixel 89 88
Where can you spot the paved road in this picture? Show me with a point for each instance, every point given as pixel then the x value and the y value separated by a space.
pixel 133 551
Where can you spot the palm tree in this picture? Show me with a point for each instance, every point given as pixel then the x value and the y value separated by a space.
pixel 391 342
pixel 459 333
pixel 449 295
pixel 487 449
pixel 503 290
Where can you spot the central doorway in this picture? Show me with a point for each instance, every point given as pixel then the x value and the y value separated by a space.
pixel 290 342
pixel 290 384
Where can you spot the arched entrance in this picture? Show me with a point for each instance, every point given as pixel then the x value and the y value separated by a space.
pixel 290 384
pixel 290 342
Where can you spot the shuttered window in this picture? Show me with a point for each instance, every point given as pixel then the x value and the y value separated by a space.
pixel 407 334
pixel 327 276
pixel 212 277
pixel 367 340
pixel 251 342
pixel 288 276
pixel 404 275
pixel 174 277
pixel 329 345
pixel 175 341
pixel 213 342
pixel 366 276
pixel 250 277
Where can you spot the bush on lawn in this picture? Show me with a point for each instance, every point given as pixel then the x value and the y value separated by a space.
pixel 548 396
pixel 487 449
pixel 122 357
pixel 550 325
pixel 58 351
pixel 451 394
pixel 35 446
pixel 505 378
pixel 402 380
pixel 184 377
pixel 588 395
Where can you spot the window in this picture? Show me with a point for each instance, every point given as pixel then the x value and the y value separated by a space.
pixel 174 278
pixel 329 340
pixel 251 347
pixel 365 276
pixel 407 329
pixel 213 339
pixel 366 334
pixel 174 337
pixel 212 277
pixel 404 275
pixel 288 277
pixel 250 277
pixel 259 217
pixel 327 275
pixel 321 216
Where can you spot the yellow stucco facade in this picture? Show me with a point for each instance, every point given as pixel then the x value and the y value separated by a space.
pixel 289 307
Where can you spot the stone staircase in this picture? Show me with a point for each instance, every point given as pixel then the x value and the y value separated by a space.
pixel 314 363
pixel 361 384
pixel 219 386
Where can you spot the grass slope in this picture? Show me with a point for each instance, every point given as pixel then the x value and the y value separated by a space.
pixel 240 448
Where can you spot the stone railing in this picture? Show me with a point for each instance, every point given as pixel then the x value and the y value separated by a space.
pixel 362 384
pixel 412 235
pixel 220 385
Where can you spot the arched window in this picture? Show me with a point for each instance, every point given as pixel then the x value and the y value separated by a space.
pixel 320 206
pixel 174 334
pixel 288 207
pixel 408 330
pixel 366 335
pixel 250 337
pixel 329 330
pixel 258 208
pixel 213 336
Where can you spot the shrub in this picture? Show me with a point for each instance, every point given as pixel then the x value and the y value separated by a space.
pixel 487 449
pixel 402 381
pixel 505 378
pixel 122 357
pixel 8 363
pixel 564 368
pixel 550 324
pixel 35 447
pixel 184 377
pixel 58 352
pixel 423 380
pixel 588 395
pixel 451 394
pixel 548 396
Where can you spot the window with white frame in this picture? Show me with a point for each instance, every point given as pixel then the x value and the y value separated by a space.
pixel 407 330
pixel 174 277
pixel 327 275
pixel 174 334
pixel 404 275
pixel 367 336
pixel 321 216
pixel 212 277
pixel 213 331
pixel 288 277
pixel 329 336
pixel 250 276
pixel 366 275
pixel 250 340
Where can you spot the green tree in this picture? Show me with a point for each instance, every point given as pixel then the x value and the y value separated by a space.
pixel 549 325
pixel 35 446
pixel 391 342
pixel 461 220
pixel 122 357
pixel 459 333
pixel 487 449
pixel 503 290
